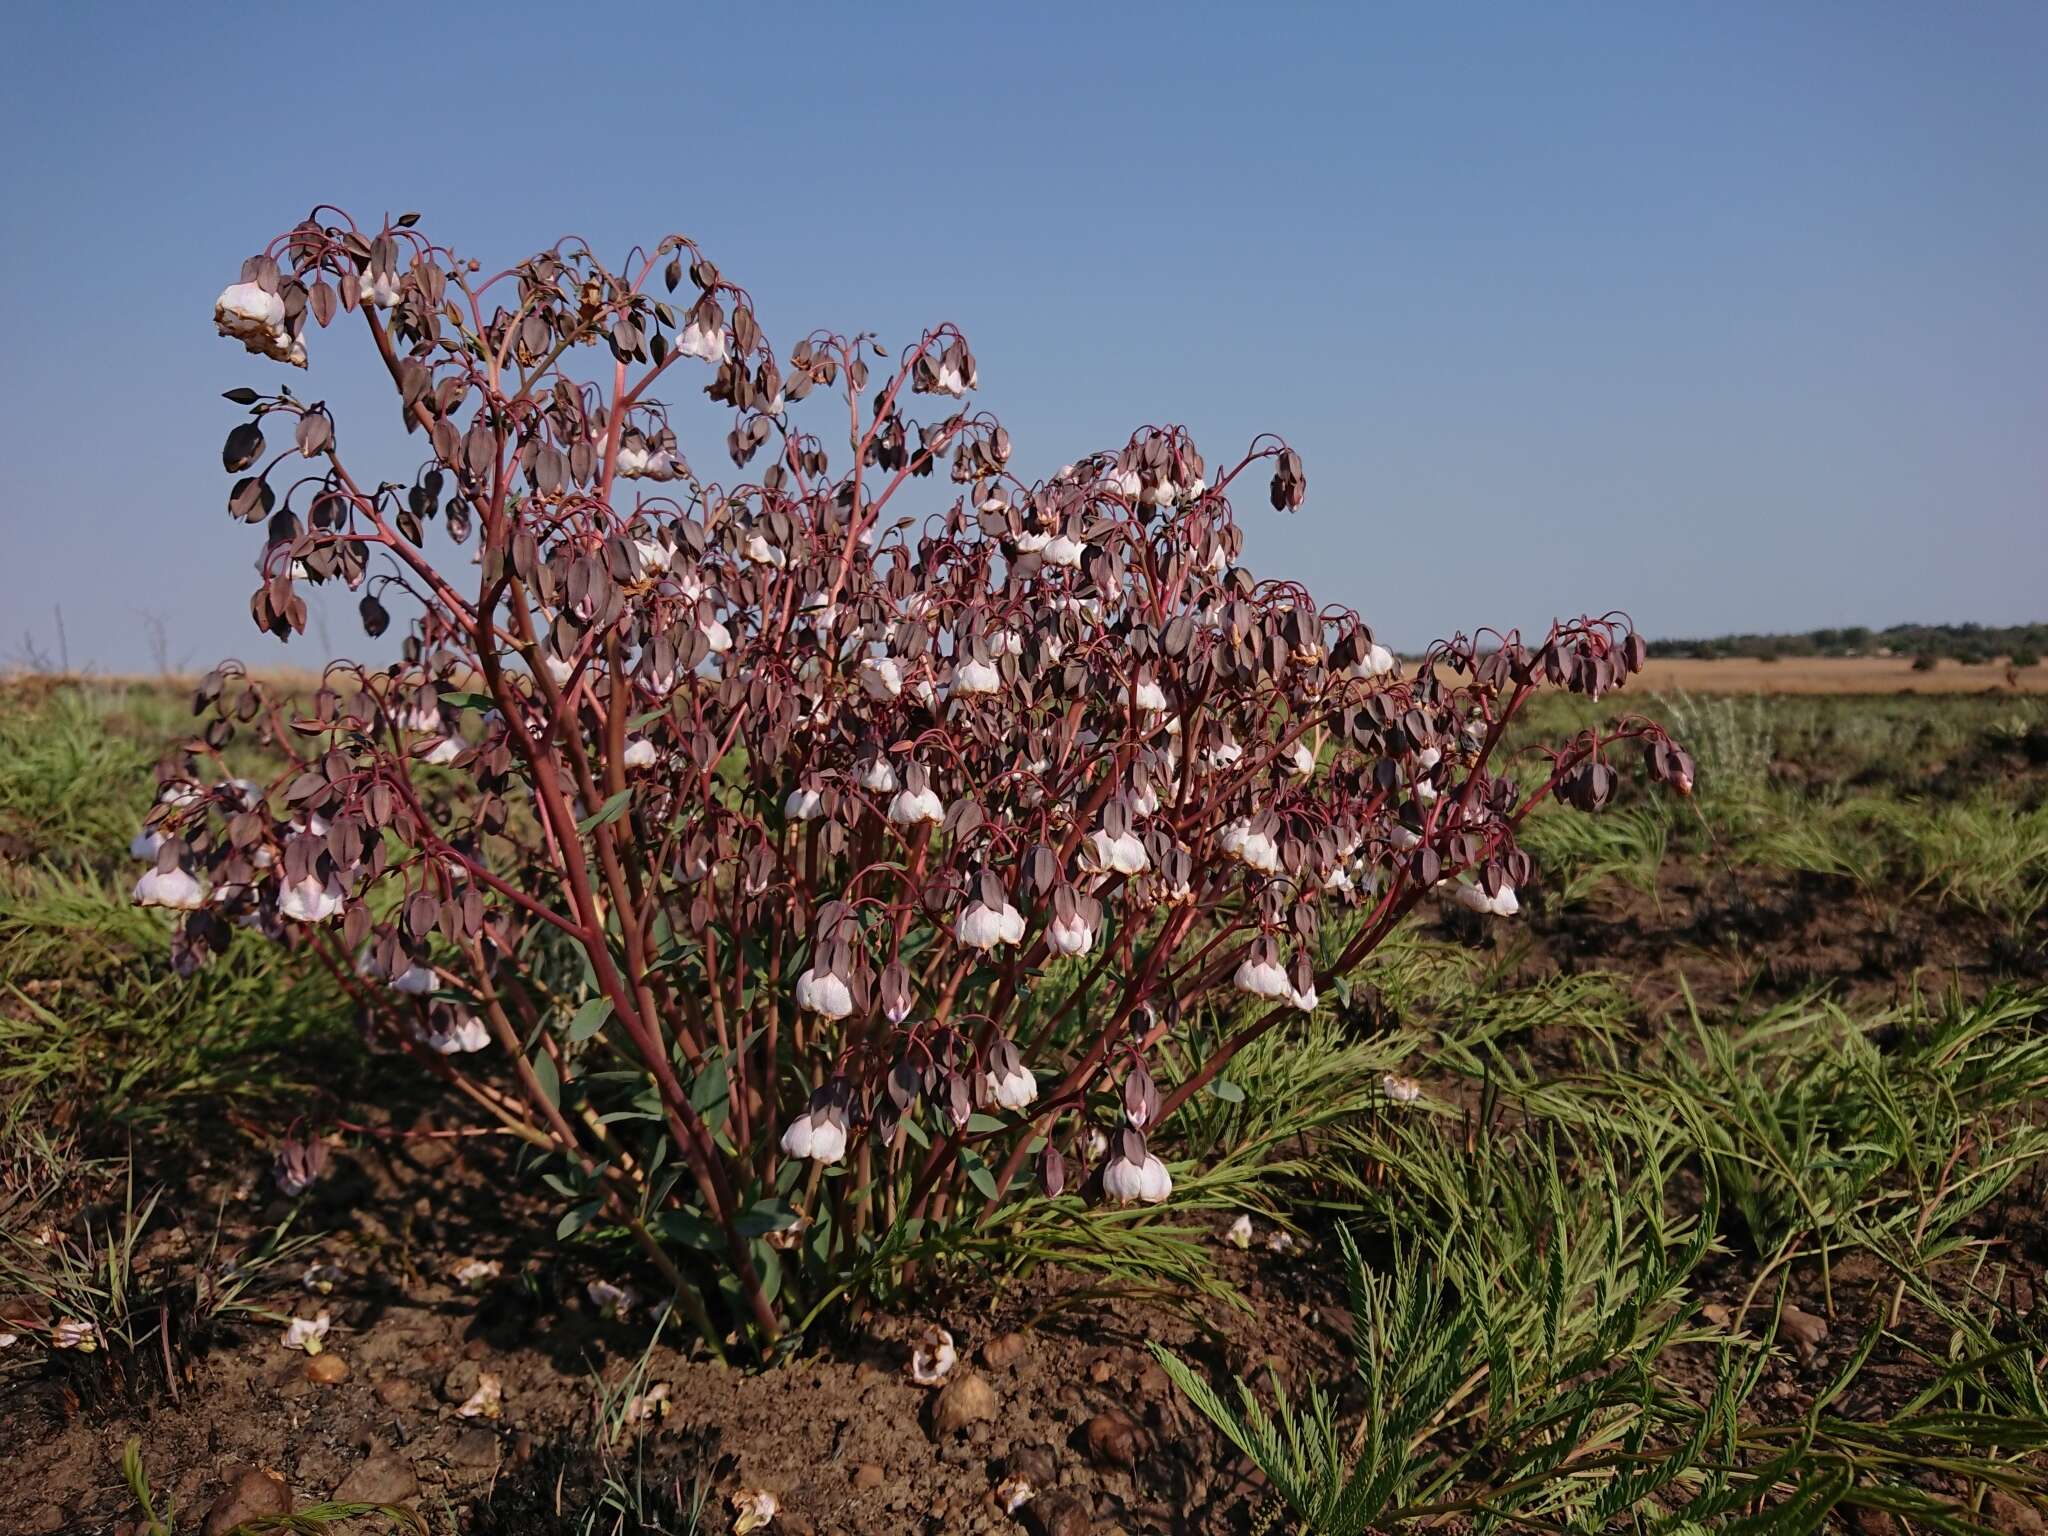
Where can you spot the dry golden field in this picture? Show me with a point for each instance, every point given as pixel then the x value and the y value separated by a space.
pixel 1841 675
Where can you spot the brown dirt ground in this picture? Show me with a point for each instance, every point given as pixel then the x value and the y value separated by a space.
pixel 839 1434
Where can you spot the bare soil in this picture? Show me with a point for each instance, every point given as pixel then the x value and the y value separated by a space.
pixel 841 1436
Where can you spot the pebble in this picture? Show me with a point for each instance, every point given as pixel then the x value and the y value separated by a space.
pixel 1112 1440
pixel 326 1369
pixel 476 1448
pixel 866 1476
pixel 962 1401
pixel 386 1479
pixel 398 1392
pixel 1065 1512
pixel 254 1493
pixel 1005 1349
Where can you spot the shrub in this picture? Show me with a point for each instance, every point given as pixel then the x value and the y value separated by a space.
pixel 2025 657
pixel 1926 661
pixel 812 872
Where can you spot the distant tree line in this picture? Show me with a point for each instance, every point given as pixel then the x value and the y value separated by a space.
pixel 1970 644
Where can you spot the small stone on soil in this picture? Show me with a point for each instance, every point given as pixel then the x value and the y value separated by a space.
pixel 1004 1349
pixel 867 1475
pixel 254 1493
pixel 1112 1440
pixel 965 1400
pixel 1064 1513
pixel 327 1369
pixel 398 1392
pixel 386 1479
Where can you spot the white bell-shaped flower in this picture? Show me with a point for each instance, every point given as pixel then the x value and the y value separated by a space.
pixel 310 900
pixel 983 927
pixel 912 806
pixel 1013 1090
pixel 1070 936
pixel 1263 977
pixel 1251 847
pixel 803 804
pixel 974 677
pixel 639 753
pixel 881 677
pixel 828 995
pixel 172 888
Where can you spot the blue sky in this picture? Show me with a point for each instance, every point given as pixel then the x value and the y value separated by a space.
pixel 1728 315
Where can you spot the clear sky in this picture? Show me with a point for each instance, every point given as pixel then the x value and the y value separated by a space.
pixel 1730 315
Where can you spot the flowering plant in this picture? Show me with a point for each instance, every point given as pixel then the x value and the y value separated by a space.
pixel 795 870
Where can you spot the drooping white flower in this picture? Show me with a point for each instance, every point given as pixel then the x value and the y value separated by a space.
pixel 753 1509
pixel 1126 854
pixel 878 778
pixel 1300 759
pixel 983 927
pixel 145 844
pixel 247 307
pixel 306 1333
pixel 560 668
pixel 704 341
pixel 379 286
pixel 912 806
pixel 311 900
pixel 1014 1492
pixel 462 1035
pixel 655 556
pixel 1251 847
pixel 1013 1090
pixel 1125 1181
pixel 758 550
pixel 1224 755
pixel 1377 661
pixel 972 677
pixel 1404 838
pixel 1125 483
pixel 1239 1233
pixel 1263 976
pixel 172 888
pixel 881 677
pixel 415 980
pixel 1070 936
pixel 821 1139
pixel 1061 550
pixel 827 996
pixel 1032 543
pixel 639 753
pixel 632 460
pixel 1402 1090
pixel 1303 998
pixel 716 636
pixel 1149 695
pixel 803 804
pixel 446 751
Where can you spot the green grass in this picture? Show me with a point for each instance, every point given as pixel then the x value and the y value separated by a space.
pixel 1525 1250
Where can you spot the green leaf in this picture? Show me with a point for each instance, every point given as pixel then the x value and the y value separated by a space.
pixel 589 1019
pixel 468 701
pixel 1225 1090
pixel 610 811
pixel 575 1220
pixel 550 1080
